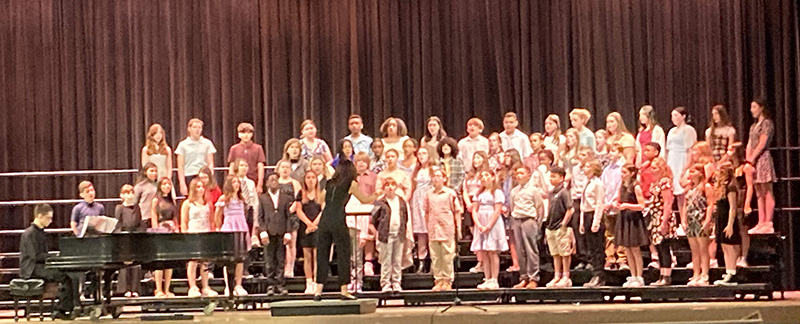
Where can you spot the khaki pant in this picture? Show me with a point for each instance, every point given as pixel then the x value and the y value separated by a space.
pixel 614 254
pixel 442 254
pixel 391 256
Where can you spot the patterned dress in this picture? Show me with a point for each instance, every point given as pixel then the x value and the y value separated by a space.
pixel 696 205
pixel 719 141
pixel 320 149
pixel 653 211
pixel 765 170
pixel 495 238
pixel 418 223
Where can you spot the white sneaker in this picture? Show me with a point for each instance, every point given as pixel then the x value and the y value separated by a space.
pixel 564 283
pixel 396 287
pixel 310 287
pixel 741 262
pixel 713 264
pixel 208 292
pixel 628 282
pixel 690 265
pixel 727 280
pixel 702 281
pixel 484 284
pixel 386 289
pixel 492 284
pixel 692 281
pixel 239 291
pixel 194 292
pixel 636 282
pixel 477 268
pixel 552 283
pixel 368 269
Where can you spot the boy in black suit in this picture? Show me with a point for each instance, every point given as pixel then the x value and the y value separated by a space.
pixel 273 224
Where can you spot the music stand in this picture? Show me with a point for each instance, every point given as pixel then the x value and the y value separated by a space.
pixel 457 262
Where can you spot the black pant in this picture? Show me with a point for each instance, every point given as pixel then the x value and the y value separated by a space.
pixel 274 257
pixel 594 242
pixel 664 255
pixel 68 292
pixel 328 235
pixel 581 254
pixel 129 279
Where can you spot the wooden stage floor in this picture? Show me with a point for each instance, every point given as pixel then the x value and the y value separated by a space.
pixel 775 311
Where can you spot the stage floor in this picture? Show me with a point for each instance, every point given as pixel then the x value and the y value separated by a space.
pixel 776 311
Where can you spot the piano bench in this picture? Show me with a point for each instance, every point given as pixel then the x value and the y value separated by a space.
pixel 26 290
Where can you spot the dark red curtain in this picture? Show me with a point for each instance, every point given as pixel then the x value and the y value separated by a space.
pixel 80 81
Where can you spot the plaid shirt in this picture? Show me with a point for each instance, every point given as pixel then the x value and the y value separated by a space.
pixel 455 172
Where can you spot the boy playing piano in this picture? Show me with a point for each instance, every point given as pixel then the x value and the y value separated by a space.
pixel 33 254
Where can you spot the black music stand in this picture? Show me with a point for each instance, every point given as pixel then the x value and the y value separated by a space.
pixel 457 263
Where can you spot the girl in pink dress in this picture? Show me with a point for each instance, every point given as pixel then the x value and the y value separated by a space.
pixel 230 213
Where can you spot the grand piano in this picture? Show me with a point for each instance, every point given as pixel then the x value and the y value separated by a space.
pixel 110 252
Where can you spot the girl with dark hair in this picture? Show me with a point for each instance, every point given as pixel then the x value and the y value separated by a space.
pixel 720 133
pixel 395 135
pixel 163 218
pixel 759 166
pixel 680 140
pixel 453 167
pixel 144 190
pixel 344 150
pixel 333 228
pixel 631 230
pixel 434 132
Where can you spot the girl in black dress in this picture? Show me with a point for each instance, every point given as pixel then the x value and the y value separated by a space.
pixel 309 204
pixel 631 232
pixel 333 229
pixel 726 191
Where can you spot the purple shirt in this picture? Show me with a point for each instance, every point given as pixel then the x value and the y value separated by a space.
pixel 83 209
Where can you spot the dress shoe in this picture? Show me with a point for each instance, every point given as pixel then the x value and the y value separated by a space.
pixel 594 283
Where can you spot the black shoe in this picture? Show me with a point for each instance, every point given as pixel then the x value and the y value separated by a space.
pixel 426 265
pixel 270 291
pixel 57 314
pixel 580 266
pixel 589 267
pixel 418 266
pixel 594 283
pixel 280 291
pixel 317 298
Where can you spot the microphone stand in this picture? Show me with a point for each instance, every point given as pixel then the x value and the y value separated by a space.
pixel 457 263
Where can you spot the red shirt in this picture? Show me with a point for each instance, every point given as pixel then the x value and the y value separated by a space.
pixel 252 153
pixel 211 199
pixel 646 178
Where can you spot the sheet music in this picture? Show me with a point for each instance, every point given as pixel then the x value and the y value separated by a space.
pixel 98 225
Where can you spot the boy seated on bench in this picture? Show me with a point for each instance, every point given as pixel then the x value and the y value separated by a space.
pixel 33 254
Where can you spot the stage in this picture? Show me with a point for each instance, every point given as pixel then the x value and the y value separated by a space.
pixel 774 311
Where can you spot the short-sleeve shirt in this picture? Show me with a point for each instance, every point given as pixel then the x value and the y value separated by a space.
pixel 194 154
pixel 440 207
pixel 560 203
pixel 362 143
pixel 83 209
pixel 467 147
pixel 252 153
